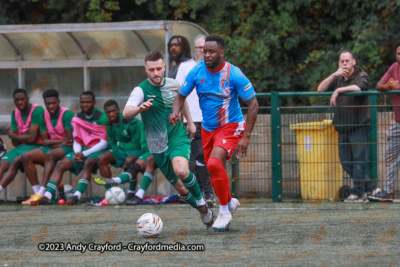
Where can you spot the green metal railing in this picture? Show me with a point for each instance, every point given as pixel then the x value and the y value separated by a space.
pixel 276 113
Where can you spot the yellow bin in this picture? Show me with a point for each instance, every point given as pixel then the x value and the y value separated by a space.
pixel 321 174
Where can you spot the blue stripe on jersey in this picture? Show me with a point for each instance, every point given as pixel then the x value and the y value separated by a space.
pixel 218 93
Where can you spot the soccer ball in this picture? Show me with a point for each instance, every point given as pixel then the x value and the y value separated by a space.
pixel 68 190
pixel 115 196
pixel 149 225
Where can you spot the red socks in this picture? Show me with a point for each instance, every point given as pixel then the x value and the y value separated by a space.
pixel 219 180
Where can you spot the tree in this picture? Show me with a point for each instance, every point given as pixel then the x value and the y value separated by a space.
pixel 280 45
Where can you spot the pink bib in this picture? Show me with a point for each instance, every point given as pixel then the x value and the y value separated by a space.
pixel 86 133
pixel 57 132
pixel 23 126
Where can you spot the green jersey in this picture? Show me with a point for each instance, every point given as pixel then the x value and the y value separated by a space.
pixel 98 117
pixel 127 134
pixel 159 132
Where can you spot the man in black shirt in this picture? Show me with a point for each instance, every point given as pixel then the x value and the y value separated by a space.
pixel 352 123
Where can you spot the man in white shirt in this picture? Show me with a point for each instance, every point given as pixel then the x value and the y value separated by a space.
pixel 197 163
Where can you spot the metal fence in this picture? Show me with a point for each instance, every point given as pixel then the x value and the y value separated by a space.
pixel 294 155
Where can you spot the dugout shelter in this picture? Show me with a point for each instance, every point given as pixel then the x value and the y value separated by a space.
pixel 106 58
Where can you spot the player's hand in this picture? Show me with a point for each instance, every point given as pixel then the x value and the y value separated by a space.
pixel 333 98
pixel 68 142
pixel 146 105
pixel 241 151
pixel 174 118
pixel 191 130
pixel 46 143
pixel 78 157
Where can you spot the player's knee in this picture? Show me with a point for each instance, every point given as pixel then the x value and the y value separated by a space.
pixel 182 173
pixel 214 165
pixel 134 169
pixel 26 158
pixel 4 165
pixel 89 163
pixel 50 156
pixel 102 160
pixel 62 165
pixel 16 162
pixel 150 160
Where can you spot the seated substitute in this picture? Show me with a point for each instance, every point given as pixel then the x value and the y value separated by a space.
pixel 90 140
pixel 127 141
pixel 56 133
pixel 24 134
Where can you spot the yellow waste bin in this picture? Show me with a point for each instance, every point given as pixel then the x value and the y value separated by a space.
pixel 321 174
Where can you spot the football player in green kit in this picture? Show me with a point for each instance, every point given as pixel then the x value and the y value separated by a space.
pixel 169 144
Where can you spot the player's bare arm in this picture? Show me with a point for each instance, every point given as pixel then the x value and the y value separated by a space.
pixel 131 111
pixel 29 137
pixel 177 106
pixel 191 128
pixel 13 141
pixel 241 151
pixel 54 143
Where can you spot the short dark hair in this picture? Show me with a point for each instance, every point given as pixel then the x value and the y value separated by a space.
pixel 19 90
pixel 110 103
pixel 216 38
pixel 153 56
pixel 346 51
pixel 50 93
pixel 183 42
pixel 397 45
pixel 89 93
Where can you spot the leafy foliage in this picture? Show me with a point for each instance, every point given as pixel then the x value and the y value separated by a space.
pixel 280 45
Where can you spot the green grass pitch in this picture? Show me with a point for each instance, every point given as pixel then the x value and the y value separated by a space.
pixel 262 234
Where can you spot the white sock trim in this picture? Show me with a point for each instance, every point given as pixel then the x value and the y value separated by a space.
pixel 77 193
pixel 117 179
pixel 36 188
pixel 140 193
pixel 224 209
pixel 42 190
pixel 48 195
pixel 200 202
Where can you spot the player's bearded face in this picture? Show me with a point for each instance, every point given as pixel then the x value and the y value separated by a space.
pixel 112 113
pixel 155 71
pixel 21 101
pixel 52 104
pixel 87 104
pixel 213 55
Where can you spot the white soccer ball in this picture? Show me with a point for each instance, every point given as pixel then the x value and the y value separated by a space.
pixel 149 225
pixel 69 190
pixel 115 196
